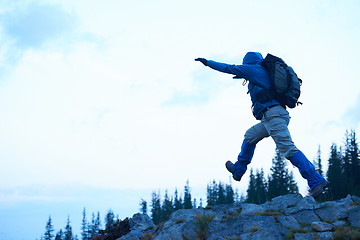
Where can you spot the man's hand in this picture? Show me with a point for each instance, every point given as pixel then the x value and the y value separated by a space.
pixel 202 60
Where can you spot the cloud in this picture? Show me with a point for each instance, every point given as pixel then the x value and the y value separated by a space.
pixel 352 114
pixel 205 86
pixel 33 25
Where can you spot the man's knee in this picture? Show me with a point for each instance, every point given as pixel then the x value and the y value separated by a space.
pixel 288 153
pixel 254 136
pixel 250 137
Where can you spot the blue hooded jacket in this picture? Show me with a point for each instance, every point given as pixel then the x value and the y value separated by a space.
pixel 259 80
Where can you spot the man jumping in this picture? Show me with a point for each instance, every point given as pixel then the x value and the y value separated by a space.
pixel 274 121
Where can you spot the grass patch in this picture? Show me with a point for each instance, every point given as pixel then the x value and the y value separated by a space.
pixel 291 233
pixel 202 224
pixel 184 237
pixel 148 236
pixel 304 225
pixel 254 228
pixel 270 212
pixel 232 215
pixel 179 221
pixel 159 226
pixel 345 232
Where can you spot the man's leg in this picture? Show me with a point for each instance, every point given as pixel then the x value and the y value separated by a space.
pixel 252 137
pixel 306 169
pixel 276 122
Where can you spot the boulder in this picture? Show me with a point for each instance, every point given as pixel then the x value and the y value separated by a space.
pixel 306 216
pixel 272 220
pixel 141 222
pixel 288 221
pixel 325 236
pixel 138 224
pixel 322 226
pixel 304 236
pixel 334 210
pixel 248 208
pixel 307 203
pixel 282 202
pixel 181 225
pixel 354 217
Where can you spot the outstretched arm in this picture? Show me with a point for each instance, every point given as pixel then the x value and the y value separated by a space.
pixel 202 60
pixel 239 70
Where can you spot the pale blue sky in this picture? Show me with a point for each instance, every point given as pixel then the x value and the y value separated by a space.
pixel 105 94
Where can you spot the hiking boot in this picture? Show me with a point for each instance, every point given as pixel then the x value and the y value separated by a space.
pixel 229 167
pixel 318 189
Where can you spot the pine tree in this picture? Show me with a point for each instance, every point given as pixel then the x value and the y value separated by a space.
pixel 212 193
pixel 49 229
pixel 280 181
pixel 292 185
pixel 335 175
pixel 229 194
pixel 187 196
pixel 143 205
pixel 346 164
pixel 59 235
pixel 317 162
pixel 97 223
pixel 156 208
pixel 220 194
pixel 354 163
pixel 84 227
pixel 177 201
pixel 94 227
pixel 167 207
pixel 68 235
pixel 251 191
pixel 109 220
pixel 260 186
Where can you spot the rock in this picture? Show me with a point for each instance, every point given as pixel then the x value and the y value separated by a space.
pixel 240 225
pixel 306 216
pixel 322 226
pixel 138 224
pixel 225 210
pixel 339 223
pixel 181 225
pixel 133 235
pixel 248 208
pixel 354 217
pixel 282 202
pixel 252 222
pixel 141 222
pixel 325 236
pixel 272 220
pixel 261 234
pixel 334 210
pixel 355 199
pixel 304 236
pixel 288 221
pixel 307 203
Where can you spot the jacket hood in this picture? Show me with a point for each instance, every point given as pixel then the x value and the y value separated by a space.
pixel 252 58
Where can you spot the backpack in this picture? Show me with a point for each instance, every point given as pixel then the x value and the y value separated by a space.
pixel 284 82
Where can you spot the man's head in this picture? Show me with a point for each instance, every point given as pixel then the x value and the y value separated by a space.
pixel 252 58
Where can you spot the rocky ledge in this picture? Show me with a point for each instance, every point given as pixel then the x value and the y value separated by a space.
pixel 284 217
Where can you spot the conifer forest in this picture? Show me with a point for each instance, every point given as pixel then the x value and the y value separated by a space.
pixel 343 174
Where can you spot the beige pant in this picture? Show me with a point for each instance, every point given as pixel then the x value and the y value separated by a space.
pixel 275 124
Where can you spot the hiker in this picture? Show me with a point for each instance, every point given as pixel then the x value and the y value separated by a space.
pixel 274 121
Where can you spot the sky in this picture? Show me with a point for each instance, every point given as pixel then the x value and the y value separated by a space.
pixel 101 102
